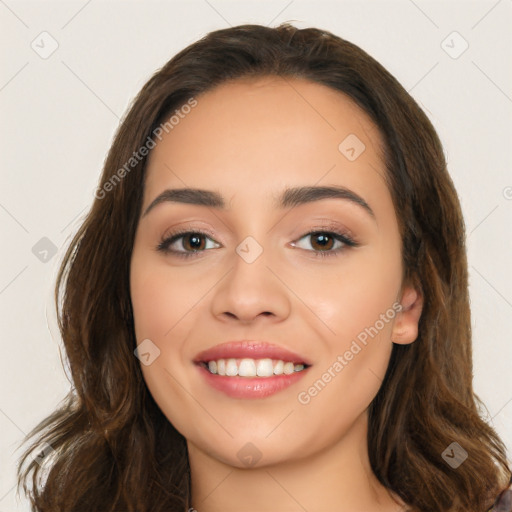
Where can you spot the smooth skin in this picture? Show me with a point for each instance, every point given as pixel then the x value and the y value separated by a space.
pixel 249 139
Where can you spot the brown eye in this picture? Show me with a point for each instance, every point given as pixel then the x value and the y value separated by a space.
pixel 186 243
pixel 327 243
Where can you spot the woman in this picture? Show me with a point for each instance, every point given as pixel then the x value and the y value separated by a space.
pixel 277 240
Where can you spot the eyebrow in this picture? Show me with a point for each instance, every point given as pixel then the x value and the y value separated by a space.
pixel 290 197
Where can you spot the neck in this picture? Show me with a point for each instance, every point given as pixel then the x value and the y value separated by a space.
pixel 338 479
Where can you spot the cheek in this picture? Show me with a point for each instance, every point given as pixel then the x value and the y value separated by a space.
pixel 153 306
pixel 161 298
pixel 351 296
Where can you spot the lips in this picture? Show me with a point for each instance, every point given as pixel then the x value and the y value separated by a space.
pixel 249 349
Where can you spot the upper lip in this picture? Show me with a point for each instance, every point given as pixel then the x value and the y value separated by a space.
pixel 249 349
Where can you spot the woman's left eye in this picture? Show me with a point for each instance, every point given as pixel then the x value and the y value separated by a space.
pixel 324 242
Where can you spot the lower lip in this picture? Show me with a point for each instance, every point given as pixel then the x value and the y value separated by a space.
pixel 250 387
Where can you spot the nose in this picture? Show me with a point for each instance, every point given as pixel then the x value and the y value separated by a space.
pixel 251 289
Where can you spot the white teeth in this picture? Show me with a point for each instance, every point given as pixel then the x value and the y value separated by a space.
pixel 278 368
pixel 265 368
pixel 288 368
pixel 253 367
pixel 247 368
pixel 231 368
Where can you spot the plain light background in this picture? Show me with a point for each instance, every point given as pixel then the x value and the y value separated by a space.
pixel 59 114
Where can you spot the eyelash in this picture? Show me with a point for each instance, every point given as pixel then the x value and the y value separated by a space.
pixel 164 244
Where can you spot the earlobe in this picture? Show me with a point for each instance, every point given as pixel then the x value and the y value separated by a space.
pixel 405 328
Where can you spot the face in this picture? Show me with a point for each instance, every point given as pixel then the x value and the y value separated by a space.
pixel 317 274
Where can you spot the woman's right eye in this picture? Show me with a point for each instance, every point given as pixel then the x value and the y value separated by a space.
pixel 191 243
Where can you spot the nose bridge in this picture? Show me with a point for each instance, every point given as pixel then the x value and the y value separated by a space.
pixel 250 288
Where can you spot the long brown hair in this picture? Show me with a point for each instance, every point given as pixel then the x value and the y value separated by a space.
pixel 110 448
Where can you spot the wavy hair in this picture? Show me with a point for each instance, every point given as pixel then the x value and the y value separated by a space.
pixel 108 447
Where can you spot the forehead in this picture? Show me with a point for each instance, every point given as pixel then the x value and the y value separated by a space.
pixel 266 133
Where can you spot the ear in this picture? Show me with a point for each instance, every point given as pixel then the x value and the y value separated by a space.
pixel 405 328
